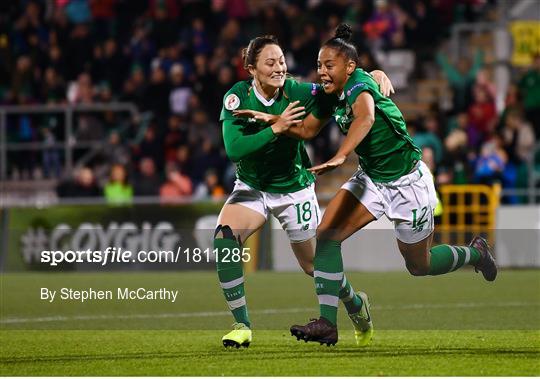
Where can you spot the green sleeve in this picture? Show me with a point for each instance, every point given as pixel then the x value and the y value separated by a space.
pixel 312 97
pixel 359 85
pixel 238 145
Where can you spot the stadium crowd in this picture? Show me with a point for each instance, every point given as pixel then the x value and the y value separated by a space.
pixel 177 58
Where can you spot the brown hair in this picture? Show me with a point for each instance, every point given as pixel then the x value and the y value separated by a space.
pixel 252 51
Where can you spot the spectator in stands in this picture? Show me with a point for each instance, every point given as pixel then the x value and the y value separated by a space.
pixel 206 158
pixel 114 69
pixel 151 146
pixel 460 78
pixel 381 26
pixel 53 88
pixel 529 86
pixel 483 81
pixel 428 136
pixel 22 83
pixel 50 155
pixel 141 48
pixel 428 157
pixel 180 91
pixel 491 163
pixel 156 97
pixel 147 180
pixel 175 137
pixel 117 190
pixel 210 187
pixel 203 80
pixel 304 47
pixel 518 141
pixel 197 37
pixel 482 114
pixel 518 137
pixel 177 186
pixel 83 185
pixel 457 139
pixel 115 151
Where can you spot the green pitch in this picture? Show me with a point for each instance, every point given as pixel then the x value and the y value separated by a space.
pixel 452 325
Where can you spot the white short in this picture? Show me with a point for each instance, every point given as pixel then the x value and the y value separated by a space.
pixel 408 201
pixel 298 212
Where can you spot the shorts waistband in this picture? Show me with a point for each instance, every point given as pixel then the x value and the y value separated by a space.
pixel 406 180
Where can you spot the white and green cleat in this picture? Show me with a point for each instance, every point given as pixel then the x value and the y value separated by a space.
pixel 239 336
pixel 363 326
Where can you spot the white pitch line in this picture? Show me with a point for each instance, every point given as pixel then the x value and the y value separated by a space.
pixel 16 320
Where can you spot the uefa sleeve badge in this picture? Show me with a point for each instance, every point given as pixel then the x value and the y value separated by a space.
pixel 232 102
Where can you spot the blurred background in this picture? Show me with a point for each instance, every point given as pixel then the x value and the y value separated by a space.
pixel 117 101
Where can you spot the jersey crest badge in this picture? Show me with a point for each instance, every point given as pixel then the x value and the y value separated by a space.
pixel 232 102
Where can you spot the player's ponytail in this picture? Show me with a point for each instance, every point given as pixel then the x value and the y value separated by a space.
pixel 344 32
pixel 252 51
pixel 341 42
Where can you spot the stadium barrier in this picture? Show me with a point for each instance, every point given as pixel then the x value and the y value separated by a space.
pixel 469 209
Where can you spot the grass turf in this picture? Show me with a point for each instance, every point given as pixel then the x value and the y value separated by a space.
pixel 451 325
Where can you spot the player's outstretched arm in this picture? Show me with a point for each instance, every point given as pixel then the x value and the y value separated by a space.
pixel 307 129
pixel 364 116
pixel 239 145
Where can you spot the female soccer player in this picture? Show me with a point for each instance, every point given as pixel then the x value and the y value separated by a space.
pixel 392 180
pixel 272 174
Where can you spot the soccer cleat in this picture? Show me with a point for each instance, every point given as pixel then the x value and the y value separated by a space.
pixel 239 336
pixel 486 264
pixel 363 326
pixel 317 330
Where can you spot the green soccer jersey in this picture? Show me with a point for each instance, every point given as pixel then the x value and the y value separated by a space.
pixel 265 161
pixel 387 152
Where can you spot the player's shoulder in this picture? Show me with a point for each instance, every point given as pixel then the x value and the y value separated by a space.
pixel 240 88
pixel 236 95
pixel 360 80
pixel 299 88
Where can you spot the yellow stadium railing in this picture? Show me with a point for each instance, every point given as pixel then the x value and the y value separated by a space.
pixel 468 210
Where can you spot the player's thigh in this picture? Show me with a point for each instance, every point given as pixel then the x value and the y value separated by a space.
pixel 297 212
pixel 243 220
pixel 416 255
pixel 244 212
pixel 411 207
pixel 344 215
pixel 305 253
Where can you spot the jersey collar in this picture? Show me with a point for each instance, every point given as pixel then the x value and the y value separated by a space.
pixel 266 103
pixel 342 96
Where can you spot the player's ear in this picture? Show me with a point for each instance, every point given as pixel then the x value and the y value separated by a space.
pixel 251 70
pixel 351 66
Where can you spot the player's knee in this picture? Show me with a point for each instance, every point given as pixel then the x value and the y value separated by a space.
pixel 226 232
pixel 325 233
pixel 417 270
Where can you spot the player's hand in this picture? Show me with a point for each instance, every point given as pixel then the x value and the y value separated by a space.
pixel 259 116
pixel 328 165
pixel 291 116
pixel 385 85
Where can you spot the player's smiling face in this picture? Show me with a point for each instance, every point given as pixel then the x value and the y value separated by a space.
pixel 270 69
pixel 334 69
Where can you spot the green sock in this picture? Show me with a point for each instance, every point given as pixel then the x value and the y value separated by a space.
pixel 352 302
pixel 328 275
pixel 447 258
pixel 231 279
